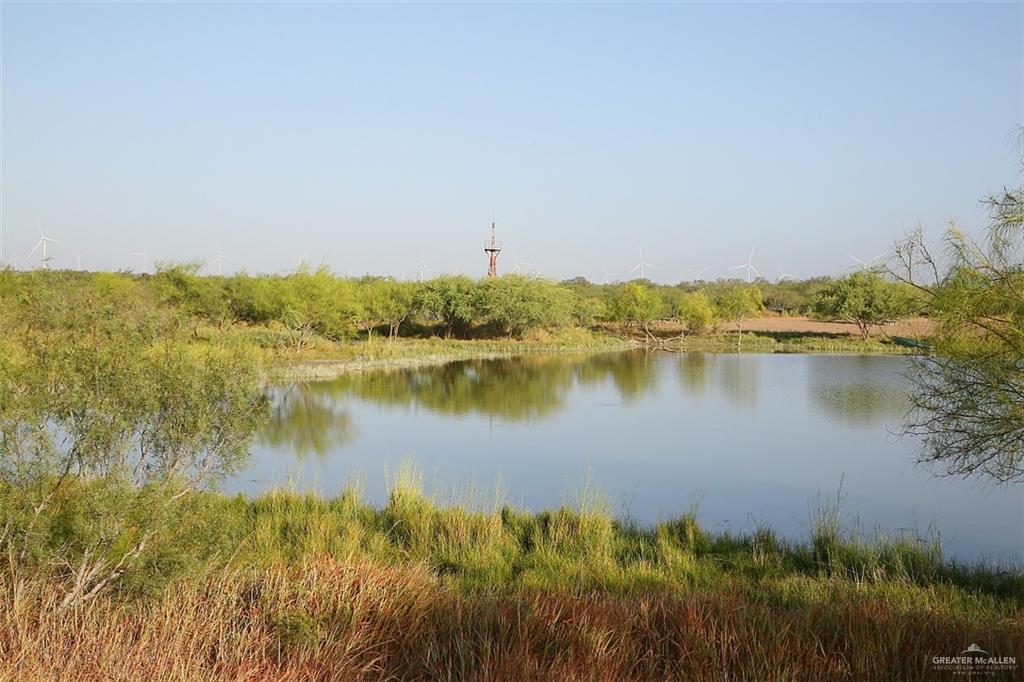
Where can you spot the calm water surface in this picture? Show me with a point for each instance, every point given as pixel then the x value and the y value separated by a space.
pixel 748 439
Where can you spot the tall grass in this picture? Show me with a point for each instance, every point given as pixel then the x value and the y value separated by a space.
pixel 335 620
pixel 292 586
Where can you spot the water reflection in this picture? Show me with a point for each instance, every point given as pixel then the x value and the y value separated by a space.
pixel 862 404
pixel 515 389
pixel 853 392
pixel 512 389
pixel 632 374
pixel 306 418
pixel 739 378
pixel 311 417
pixel 759 436
pixel 693 373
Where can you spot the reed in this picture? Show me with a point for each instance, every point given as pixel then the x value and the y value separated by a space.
pixel 290 586
pixel 331 619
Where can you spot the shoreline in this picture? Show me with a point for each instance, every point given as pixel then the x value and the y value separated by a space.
pixel 411 357
pixel 288 584
pixel 408 354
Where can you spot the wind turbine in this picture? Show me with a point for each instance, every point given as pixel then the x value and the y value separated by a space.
pixel 607 275
pixel 219 260
pixel 14 260
pixel 140 254
pixel 421 266
pixel 642 266
pixel 43 241
pixel 865 264
pixel 518 263
pixel 749 265
pixel 697 274
pixel 78 261
pixel 783 274
pixel 300 260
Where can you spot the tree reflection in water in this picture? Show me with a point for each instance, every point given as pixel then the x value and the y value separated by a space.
pixel 864 403
pixel 311 417
pixel 693 373
pixel 307 419
pixel 853 392
pixel 633 374
pixel 740 377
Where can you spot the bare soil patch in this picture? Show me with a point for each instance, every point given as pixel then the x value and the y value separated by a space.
pixel 915 327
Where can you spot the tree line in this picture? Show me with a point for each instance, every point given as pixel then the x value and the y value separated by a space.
pixel 315 302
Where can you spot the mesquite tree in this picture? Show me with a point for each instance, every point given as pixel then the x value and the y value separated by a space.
pixel 109 417
pixel 636 305
pixel 864 299
pixel 968 400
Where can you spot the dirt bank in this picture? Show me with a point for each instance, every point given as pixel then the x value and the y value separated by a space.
pixel 914 327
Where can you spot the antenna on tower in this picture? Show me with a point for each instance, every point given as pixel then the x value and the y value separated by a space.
pixel 492 249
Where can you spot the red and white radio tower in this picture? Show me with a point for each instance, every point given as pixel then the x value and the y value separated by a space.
pixel 492 249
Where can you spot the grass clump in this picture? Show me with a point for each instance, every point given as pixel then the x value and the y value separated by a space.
pixel 293 586
pixel 367 620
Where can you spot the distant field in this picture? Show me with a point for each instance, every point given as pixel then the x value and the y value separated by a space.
pixel 918 326
pixel 798 324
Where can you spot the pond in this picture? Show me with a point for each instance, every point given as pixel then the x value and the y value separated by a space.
pixel 745 439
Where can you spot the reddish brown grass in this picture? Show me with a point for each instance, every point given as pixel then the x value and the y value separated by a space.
pixel 342 621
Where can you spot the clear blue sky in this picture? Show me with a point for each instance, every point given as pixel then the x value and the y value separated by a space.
pixel 375 135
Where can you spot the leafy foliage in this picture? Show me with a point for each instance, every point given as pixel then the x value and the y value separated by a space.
pixel 738 302
pixel 517 303
pixel 109 415
pixel 318 309
pixel 864 298
pixel 637 305
pixel 317 302
pixel 385 302
pixel 969 397
pixel 195 297
pixel 695 312
pixel 450 299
